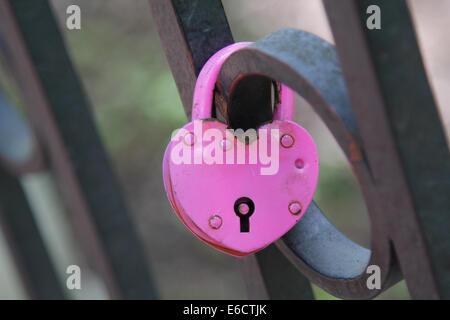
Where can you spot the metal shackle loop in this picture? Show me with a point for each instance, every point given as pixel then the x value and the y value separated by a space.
pixel 204 87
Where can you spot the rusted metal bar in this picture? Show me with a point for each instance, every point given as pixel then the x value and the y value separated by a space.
pixel 30 255
pixel 16 218
pixel 402 135
pixel 254 279
pixel 191 32
pixel 269 275
pixel 280 277
pixel 62 117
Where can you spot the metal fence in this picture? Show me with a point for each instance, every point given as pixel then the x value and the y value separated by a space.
pixel 370 90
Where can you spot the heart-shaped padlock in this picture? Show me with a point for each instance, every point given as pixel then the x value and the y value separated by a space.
pixel 225 185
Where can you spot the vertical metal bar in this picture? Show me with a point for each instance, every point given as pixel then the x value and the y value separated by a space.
pixel 269 275
pixel 191 32
pixel 254 279
pixel 61 113
pixel 27 246
pixel 283 281
pixel 20 153
pixel 403 137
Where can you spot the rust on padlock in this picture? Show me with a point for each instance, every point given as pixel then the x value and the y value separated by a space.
pixel 295 207
pixel 287 140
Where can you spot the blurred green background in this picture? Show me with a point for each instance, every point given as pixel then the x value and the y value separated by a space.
pixel 124 71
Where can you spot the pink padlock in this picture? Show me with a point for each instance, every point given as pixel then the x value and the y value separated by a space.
pixel 239 193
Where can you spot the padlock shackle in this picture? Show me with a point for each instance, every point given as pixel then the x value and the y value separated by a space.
pixel 286 108
pixel 206 81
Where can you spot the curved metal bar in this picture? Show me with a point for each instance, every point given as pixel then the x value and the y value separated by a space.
pixel 314 235
pixel 310 66
pixel 403 135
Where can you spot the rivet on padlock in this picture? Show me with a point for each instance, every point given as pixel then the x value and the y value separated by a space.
pixel 215 221
pixel 239 208
pixel 295 207
pixel 287 140
pixel 189 139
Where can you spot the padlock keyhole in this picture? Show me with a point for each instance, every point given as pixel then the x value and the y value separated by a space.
pixel 244 208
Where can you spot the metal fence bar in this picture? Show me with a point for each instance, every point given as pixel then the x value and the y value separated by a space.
pixel 403 137
pixel 408 161
pixel 281 278
pixel 269 275
pixel 191 32
pixel 59 110
pixel 29 253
